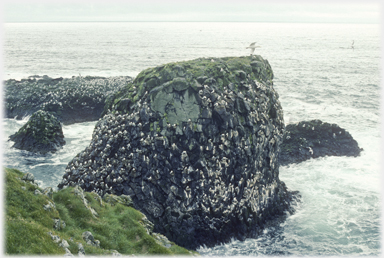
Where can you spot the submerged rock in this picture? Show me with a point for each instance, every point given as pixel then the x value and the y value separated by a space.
pixel 195 145
pixel 41 134
pixel 71 100
pixel 313 139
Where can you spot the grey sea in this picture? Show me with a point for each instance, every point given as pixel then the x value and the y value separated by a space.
pixel 317 75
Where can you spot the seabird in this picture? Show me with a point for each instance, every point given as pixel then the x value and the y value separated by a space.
pixel 353 42
pixel 252 47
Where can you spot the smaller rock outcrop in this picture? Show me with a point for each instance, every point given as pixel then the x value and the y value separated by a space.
pixel 71 100
pixel 28 177
pixel 41 134
pixel 81 250
pixel 90 240
pixel 313 139
pixel 114 199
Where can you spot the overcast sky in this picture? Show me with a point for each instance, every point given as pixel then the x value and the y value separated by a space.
pixel 194 10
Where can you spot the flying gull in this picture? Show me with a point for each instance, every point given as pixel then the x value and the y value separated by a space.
pixel 252 47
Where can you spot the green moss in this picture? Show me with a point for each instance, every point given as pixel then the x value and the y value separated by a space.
pixel 117 227
pixel 218 71
pixel 113 99
pixel 251 138
pixel 41 126
pixel 166 117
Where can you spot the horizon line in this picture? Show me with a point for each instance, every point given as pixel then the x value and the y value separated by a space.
pixel 90 21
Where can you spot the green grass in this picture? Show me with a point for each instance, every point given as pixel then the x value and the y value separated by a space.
pixel 27 223
pixel 117 227
pixel 28 237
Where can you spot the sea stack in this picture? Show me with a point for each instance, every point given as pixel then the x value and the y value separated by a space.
pixel 314 139
pixel 195 144
pixel 41 134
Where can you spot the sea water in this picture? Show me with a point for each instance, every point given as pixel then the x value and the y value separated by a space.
pixel 317 76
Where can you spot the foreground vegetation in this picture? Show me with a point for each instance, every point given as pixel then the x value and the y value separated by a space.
pixel 45 222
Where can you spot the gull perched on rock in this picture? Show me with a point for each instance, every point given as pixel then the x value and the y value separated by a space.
pixel 252 47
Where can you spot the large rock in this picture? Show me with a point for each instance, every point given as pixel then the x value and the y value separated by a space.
pixel 41 134
pixel 313 139
pixel 71 100
pixel 195 144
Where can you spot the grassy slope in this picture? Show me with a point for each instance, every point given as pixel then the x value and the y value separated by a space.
pixel 117 227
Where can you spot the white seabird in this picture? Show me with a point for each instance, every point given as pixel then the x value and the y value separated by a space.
pixel 252 47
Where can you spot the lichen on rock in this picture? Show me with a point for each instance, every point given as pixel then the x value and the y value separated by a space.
pixel 195 145
pixel 41 134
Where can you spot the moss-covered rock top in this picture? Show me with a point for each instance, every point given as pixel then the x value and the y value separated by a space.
pixel 160 82
pixel 42 222
pixel 41 134
pixel 203 70
pixel 72 100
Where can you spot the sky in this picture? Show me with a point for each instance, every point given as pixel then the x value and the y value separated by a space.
pixel 197 10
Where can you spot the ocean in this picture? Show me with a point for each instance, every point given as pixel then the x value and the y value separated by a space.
pixel 316 74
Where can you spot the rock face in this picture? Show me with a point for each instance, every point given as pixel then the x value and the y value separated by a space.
pixel 71 100
pixel 313 139
pixel 195 145
pixel 41 134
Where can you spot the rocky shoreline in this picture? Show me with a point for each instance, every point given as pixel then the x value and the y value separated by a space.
pixel 196 145
pixel 71 100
